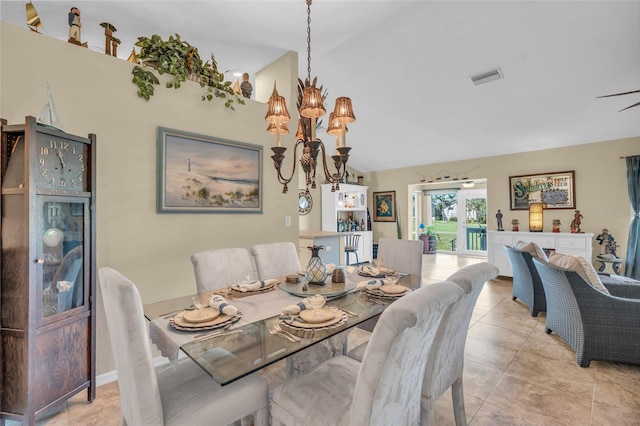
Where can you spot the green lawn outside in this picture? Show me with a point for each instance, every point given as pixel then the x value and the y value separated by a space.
pixel 448 230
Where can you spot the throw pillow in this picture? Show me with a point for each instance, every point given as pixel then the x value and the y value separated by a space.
pixel 533 248
pixel 582 266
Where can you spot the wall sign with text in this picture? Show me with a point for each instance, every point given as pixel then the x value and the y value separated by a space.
pixel 557 190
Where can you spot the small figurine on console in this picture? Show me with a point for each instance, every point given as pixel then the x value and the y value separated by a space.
pixel 514 225
pixel 556 225
pixel 576 222
pixel 608 245
pixel 499 219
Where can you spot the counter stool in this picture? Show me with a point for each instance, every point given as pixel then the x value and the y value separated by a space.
pixel 351 246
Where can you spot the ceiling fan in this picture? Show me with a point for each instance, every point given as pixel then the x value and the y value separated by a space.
pixel 620 94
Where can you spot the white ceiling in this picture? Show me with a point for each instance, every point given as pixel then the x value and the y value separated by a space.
pixel 406 65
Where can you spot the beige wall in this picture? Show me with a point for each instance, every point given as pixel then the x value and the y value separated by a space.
pixel 601 186
pixel 93 93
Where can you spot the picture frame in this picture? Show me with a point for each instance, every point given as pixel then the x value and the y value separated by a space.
pixel 555 189
pixel 205 174
pixel 384 206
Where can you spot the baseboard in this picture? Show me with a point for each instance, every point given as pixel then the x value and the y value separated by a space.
pixel 112 376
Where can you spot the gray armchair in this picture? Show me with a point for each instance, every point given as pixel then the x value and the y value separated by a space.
pixel 527 285
pixel 597 326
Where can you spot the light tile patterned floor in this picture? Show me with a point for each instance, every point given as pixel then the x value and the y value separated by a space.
pixel 515 374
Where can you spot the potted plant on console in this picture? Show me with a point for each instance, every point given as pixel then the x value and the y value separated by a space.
pixel 428 235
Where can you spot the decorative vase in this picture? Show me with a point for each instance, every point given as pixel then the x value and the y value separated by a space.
pixel 316 272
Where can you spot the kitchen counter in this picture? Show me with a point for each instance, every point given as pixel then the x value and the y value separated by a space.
pixel 332 242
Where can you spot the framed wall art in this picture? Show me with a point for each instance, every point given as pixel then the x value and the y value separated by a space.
pixel 384 206
pixel 203 174
pixel 557 190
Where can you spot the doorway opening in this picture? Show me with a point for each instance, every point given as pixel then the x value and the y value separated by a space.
pixel 455 211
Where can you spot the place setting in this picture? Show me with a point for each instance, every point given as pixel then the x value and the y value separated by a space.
pixel 375 271
pixel 311 315
pixel 208 313
pixel 385 289
pixel 252 285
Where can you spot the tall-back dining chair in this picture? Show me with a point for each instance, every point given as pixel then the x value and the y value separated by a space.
pixel 220 268
pixel 446 361
pixel 351 242
pixel 382 389
pixel 276 259
pixel 179 395
pixel 401 255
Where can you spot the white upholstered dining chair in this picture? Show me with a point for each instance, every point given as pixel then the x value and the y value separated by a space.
pixel 220 268
pixel 179 395
pixel 446 361
pixel 401 255
pixel 382 389
pixel 275 260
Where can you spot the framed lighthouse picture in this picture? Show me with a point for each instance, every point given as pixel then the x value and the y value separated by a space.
pixel 203 174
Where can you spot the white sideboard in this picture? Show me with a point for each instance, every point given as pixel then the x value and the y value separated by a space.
pixel 562 242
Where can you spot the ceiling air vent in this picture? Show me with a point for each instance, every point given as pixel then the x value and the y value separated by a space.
pixel 486 77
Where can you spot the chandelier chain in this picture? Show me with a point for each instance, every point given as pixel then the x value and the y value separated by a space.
pixel 309 40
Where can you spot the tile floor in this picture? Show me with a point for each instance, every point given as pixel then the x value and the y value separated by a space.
pixel 515 374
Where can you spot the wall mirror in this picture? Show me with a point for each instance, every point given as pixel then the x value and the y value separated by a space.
pixel 305 202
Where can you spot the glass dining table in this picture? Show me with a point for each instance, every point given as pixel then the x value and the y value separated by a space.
pixel 246 346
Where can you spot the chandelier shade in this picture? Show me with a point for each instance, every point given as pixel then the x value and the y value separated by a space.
pixel 343 112
pixel 273 129
pixel 277 112
pixel 335 126
pixel 312 105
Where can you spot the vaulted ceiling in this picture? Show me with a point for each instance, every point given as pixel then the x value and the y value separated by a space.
pixel 406 65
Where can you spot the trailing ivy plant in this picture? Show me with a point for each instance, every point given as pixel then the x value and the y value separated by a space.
pixel 182 61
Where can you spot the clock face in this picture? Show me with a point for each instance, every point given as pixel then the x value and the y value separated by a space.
pixel 61 163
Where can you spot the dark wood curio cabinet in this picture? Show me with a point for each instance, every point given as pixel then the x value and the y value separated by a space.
pixel 48 269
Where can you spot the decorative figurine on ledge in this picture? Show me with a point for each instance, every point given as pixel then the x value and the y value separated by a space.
pixel 514 225
pixel 109 39
pixel 556 225
pixel 499 219
pixel 246 86
pixel 74 27
pixel 576 222
pixel 608 246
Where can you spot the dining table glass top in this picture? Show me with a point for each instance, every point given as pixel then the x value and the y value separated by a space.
pixel 246 346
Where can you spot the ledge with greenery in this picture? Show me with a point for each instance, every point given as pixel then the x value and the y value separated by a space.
pixel 182 61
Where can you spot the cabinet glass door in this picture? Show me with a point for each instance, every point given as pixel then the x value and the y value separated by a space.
pixel 62 244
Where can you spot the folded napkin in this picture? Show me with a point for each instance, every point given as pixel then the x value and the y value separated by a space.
pixel 371 284
pixel 350 269
pixel 218 302
pixel 256 285
pixel 295 309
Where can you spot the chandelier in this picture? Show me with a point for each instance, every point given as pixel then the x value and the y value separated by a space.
pixel 310 107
